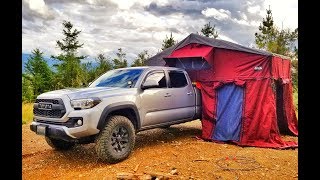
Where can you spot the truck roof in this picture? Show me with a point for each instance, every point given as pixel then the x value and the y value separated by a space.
pixel 154 67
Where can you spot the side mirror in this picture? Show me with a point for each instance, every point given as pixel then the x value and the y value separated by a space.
pixel 86 85
pixel 151 83
pixel 130 84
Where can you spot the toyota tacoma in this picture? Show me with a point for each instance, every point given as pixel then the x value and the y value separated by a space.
pixel 114 107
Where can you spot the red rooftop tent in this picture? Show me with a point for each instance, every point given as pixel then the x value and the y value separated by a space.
pixel 246 93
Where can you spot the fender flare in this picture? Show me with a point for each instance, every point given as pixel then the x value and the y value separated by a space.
pixel 117 106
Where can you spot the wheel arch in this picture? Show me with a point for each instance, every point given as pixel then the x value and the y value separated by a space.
pixel 127 109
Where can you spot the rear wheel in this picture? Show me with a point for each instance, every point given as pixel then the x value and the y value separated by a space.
pixel 116 140
pixel 59 144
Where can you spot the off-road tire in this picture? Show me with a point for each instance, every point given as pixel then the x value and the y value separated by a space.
pixel 116 141
pixel 59 144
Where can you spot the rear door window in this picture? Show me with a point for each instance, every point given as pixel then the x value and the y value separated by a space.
pixel 177 79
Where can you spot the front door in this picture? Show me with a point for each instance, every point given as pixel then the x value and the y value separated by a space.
pixel 154 101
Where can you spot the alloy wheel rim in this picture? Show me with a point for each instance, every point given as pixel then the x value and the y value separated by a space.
pixel 120 139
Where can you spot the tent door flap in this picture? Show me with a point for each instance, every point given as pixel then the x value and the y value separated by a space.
pixel 229 113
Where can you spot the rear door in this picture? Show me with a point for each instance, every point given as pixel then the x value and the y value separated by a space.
pixel 182 97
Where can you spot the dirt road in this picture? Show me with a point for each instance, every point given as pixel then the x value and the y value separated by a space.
pixel 160 150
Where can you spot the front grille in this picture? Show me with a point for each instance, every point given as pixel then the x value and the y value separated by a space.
pixel 48 113
pixel 53 101
pixel 57 111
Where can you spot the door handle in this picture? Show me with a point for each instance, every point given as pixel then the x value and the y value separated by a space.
pixel 189 93
pixel 167 95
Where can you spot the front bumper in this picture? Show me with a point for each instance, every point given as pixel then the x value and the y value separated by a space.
pixel 66 129
pixel 54 132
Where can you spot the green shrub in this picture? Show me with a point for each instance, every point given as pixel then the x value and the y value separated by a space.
pixel 27 113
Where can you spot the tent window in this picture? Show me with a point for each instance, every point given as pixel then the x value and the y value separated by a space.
pixel 193 63
pixel 177 79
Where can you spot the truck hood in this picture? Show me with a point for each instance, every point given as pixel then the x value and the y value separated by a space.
pixel 80 93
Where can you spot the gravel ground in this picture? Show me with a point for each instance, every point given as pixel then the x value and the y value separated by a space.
pixel 160 151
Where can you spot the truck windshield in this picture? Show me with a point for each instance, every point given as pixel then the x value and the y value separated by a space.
pixel 124 78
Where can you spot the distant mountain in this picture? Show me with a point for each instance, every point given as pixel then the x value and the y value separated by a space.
pixel 25 60
pixel 50 61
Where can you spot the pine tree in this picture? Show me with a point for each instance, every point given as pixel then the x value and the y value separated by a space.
pixel 272 39
pixel 93 72
pixel 70 44
pixel 120 61
pixel 88 73
pixel 27 90
pixel 294 74
pixel 38 74
pixel 70 73
pixel 168 42
pixel 104 65
pixel 209 31
pixel 141 58
pixel 295 52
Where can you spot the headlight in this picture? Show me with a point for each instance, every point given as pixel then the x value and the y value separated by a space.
pixel 84 103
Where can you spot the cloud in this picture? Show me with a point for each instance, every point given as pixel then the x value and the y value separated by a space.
pixel 138 25
pixel 38 5
pixel 220 14
pixel 33 9
pixel 254 9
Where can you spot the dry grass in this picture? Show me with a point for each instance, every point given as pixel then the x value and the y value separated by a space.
pixel 160 150
pixel 27 113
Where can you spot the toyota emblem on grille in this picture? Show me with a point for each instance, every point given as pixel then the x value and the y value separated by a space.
pixel 45 106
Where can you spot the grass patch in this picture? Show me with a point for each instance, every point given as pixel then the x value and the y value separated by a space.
pixel 27 113
pixel 295 100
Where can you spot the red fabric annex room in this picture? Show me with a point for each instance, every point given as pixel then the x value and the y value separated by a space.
pixel 246 93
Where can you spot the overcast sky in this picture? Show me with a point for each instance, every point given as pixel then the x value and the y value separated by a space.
pixel 137 25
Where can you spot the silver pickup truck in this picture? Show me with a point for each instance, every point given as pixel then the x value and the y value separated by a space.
pixel 114 108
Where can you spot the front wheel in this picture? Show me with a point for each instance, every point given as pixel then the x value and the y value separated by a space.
pixel 116 140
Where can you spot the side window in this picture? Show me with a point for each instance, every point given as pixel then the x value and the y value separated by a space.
pixel 177 79
pixel 159 77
